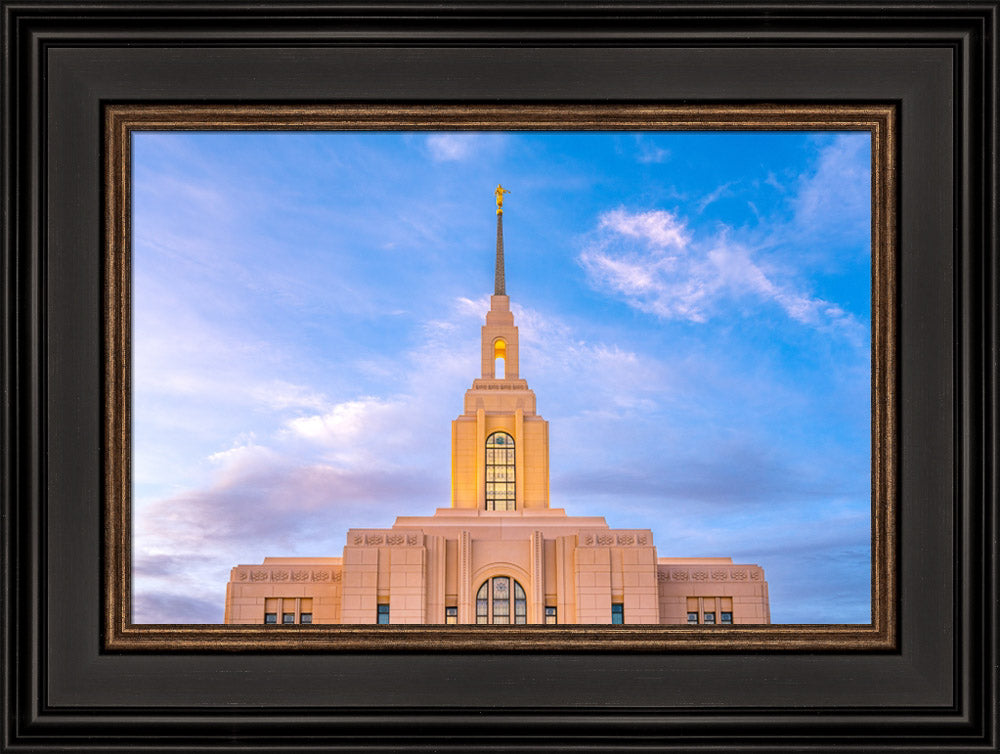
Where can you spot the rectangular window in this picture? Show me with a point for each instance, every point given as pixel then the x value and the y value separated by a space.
pixel 617 612
pixel 712 610
pixel 550 616
pixel 305 618
pixel 451 615
pixel 288 617
pixel 383 614
pixel 270 617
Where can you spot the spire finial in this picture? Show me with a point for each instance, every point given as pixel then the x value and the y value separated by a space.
pixel 499 284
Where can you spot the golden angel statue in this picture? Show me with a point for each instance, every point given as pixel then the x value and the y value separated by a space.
pixel 500 191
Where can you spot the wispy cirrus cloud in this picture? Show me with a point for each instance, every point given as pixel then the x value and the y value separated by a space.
pixel 457 147
pixel 660 229
pixel 658 265
pixel 834 197
pixel 713 196
pixel 648 152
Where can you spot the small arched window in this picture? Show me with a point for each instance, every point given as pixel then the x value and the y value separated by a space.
pixel 499 358
pixel 499 472
pixel 501 600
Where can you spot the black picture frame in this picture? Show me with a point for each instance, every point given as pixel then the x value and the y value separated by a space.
pixel 62 62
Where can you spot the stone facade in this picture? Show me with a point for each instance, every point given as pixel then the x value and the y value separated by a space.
pixel 499 554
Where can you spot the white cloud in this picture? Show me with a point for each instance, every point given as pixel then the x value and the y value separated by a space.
pixel 280 394
pixel 455 147
pixel 714 196
pixel 773 182
pixel 655 263
pixel 650 153
pixel 447 147
pixel 362 434
pixel 835 196
pixel 467 307
pixel 658 228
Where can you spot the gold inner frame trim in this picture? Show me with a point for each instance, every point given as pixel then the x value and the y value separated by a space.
pixel 120 120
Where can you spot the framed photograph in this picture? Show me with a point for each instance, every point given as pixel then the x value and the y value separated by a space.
pixel 258 264
pixel 504 550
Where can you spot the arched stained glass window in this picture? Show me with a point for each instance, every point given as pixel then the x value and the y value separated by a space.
pixel 499 472
pixel 501 600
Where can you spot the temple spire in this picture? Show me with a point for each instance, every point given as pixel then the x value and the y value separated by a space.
pixel 500 284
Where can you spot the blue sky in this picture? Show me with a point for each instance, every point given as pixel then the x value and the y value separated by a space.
pixel 694 314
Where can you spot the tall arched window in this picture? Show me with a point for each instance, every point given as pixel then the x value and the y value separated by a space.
pixel 499 472
pixel 501 600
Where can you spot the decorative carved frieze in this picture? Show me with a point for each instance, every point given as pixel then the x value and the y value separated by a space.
pixel 386 537
pixel 614 538
pixel 715 574
pixel 283 575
